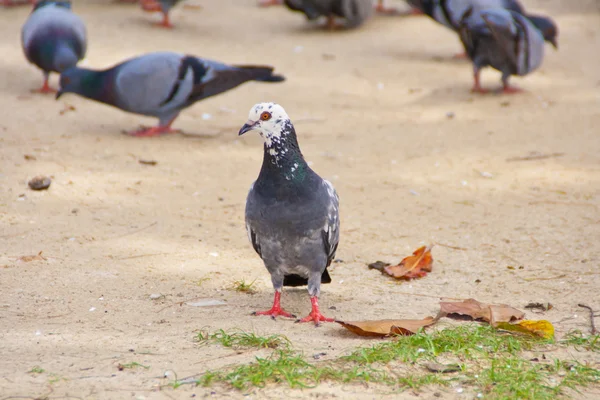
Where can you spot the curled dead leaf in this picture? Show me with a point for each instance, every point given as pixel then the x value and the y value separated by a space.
pixel 541 328
pixel 387 327
pixel 411 267
pixel 37 257
pixel 473 309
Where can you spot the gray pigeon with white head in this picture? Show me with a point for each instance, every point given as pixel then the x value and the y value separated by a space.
pixel 352 12
pixel 507 41
pixel 292 216
pixel 160 84
pixel 53 38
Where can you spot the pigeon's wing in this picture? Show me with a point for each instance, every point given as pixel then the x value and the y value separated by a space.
pixel 331 230
pixel 152 83
pixel 212 78
pixel 506 34
pixel 249 230
pixel 530 45
pixel 514 5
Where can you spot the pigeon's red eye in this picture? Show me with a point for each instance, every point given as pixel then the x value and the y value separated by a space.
pixel 265 116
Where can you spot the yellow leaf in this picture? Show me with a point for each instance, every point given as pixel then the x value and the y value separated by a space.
pixel 541 328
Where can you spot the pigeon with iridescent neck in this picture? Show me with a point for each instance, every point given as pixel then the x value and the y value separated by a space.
pixel 53 38
pixel 292 216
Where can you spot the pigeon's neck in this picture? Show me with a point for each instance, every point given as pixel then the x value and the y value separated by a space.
pixel 97 85
pixel 283 161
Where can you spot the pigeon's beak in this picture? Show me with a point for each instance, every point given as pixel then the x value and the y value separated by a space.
pixel 59 93
pixel 554 43
pixel 248 126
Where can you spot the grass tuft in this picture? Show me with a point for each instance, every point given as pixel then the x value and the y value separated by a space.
pixel 131 365
pixel 241 339
pixel 242 286
pixel 580 341
pixel 36 370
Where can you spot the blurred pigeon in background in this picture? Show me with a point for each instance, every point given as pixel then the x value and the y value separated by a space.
pixel 507 41
pixel 292 216
pixel 160 84
pixel 12 3
pixel 163 6
pixel 353 12
pixel 53 38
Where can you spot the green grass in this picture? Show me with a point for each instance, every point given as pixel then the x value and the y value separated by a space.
pixel 493 364
pixel 581 342
pixel 242 286
pixel 36 370
pixel 241 339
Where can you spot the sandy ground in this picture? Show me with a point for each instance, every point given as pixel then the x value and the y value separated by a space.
pixel 373 111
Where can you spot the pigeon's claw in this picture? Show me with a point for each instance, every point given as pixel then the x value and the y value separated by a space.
pixel 276 310
pixel 507 89
pixel 315 315
pixel 45 88
pixel 154 131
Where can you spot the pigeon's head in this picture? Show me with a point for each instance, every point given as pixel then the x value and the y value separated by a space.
pixel 44 3
pixel 80 81
pixel 548 28
pixel 269 119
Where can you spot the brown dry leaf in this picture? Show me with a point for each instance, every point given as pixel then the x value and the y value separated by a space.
pixel 386 327
pixel 411 267
pixel 147 162
pixel 541 328
pixel 492 313
pixel 37 257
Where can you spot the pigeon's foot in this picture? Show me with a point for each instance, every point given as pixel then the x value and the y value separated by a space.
pixel 150 5
pixel 165 23
pixel 45 89
pixel 276 310
pixel 268 3
pixel 153 131
pixel 507 89
pixel 332 24
pixel 382 9
pixel 315 315
pixel 460 56
pixel 478 89
pixel 13 3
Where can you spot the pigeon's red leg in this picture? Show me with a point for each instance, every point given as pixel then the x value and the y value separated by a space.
pixel 267 3
pixel 477 85
pixel 166 22
pixel 154 131
pixel 332 24
pixel 507 89
pixel 45 88
pixel 315 315
pixel 276 310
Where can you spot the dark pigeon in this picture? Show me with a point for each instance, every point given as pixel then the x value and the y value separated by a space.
pixel 507 41
pixel 160 84
pixel 353 12
pixel 163 6
pixel 292 215
pixel 53 38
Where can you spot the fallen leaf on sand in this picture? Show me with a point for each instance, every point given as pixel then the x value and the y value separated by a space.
pixel 492 313
pixel 37 257
pixel 541 328
pixel 443 368
pixel 147 162
pixel 386 327
pixel 411 267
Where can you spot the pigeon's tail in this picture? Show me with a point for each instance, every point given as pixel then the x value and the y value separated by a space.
pixel 294 280
pixel 261 74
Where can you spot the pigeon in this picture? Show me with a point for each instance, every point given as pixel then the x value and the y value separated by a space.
pixel 163 6
pixel 450 12
pixel 354 12
pixel 160 84
pixel 292 216
pixel 53 38
pixel 507 41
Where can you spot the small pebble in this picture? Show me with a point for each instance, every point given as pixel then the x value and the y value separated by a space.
pixel 450 115
pixel 93 309
pixel 40 183
pixel 155 296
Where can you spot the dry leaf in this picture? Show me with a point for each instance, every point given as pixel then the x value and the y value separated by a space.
pixel 541 328
pixel 66 109
pixel 386 327
pixel 37 257
pixel 415 266
pixel 492 313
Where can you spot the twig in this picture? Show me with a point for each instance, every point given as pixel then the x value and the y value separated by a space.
pixel 143 255
pixel 535 156
pixel 563 203
pixel 450 247
pixel 135 231
pixel 544 279
pixel 594 331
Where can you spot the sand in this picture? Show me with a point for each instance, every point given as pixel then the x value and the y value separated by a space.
pixel 384 112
